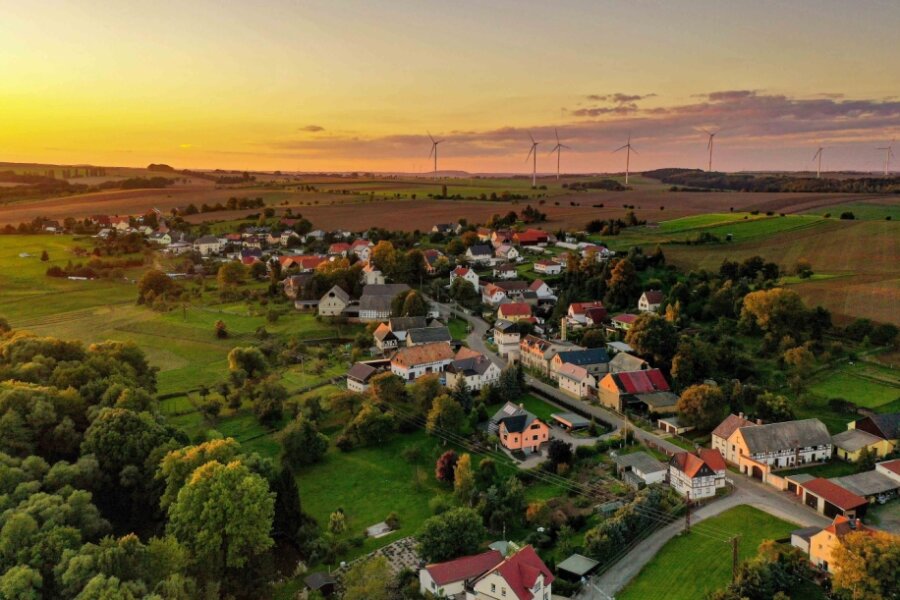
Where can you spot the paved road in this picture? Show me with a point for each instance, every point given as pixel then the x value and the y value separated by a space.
pixel 746 492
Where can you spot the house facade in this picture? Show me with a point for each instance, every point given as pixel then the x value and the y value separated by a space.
pixel 823 544
pixel 762 448
pixel 696 476
pixel 333 303
pixel 518 429
pixel 507 338
pixel 576 381
pixel 466 273
pixel 514 311
pixel 411 363
pixel 474 368
pixel 650 301
pixel 723 431
pixel 548 267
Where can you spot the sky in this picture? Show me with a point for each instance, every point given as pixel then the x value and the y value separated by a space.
pixel 357 85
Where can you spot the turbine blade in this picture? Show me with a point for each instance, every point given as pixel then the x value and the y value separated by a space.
pixel 620 148
pixel 633 150
pixel 557 135
pixel 431 137
pixel 532 137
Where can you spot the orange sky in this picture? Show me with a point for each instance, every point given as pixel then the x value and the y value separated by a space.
pixel 352 85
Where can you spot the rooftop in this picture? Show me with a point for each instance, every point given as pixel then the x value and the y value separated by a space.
pixel 854 439
pixel 867 483
pixel 578 565
pixel 774 437
pixel 640 461
pixel 467 567
pixel 834 494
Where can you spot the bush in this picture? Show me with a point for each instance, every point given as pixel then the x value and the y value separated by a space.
pixel 392 521
pixel 344 443
pixel 585 451
pixel 440 504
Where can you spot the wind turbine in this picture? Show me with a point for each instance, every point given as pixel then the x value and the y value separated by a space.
pixel 434 149
pixel 709 146
pixel 533 153
pixel 558 149
pixel 628 150
pixel 818 155
pixel 888 155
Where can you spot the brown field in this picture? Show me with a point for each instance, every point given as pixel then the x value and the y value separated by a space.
pixel 862 255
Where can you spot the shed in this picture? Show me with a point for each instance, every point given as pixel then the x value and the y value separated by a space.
pixel 795 482
pixel 576 566
pixel 321 582
pixel 673 425
pixel 570 421
pixel 800 538
pixel 869 484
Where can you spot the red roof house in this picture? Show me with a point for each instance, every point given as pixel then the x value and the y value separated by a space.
pixel 520 573
pixel 530 237
pixel 463 569
pixel 831 499
pixel 514 311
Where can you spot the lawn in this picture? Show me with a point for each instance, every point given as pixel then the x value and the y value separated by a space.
pixel 835 468
pixel 864 384
pixel 458 328
pixel 691 565
pixel 861 210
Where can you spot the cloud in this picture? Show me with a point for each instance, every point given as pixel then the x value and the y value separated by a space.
pixel 312 128
pixel 619 98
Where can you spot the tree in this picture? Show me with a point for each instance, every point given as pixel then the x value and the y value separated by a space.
pixel 337 522
pixel 177 466
pixel 593 338
pixel 445 467
pixel 268 401
pixel 370 579
pixel 249 361
pixel 44 256
pixel 692 362
pixel 775 311
pixel 801 362
pixel 653 336
pixel 230 274
pixel 384 257
pixel 773 408
pixel 464 479
pixel 221 329
pixel 371 425
pixel 301 444
pixel 446 415
pixel 152 284
pixel 387 388
pixel 223 515
pixel 457 532
pixel 559 452
pixel 701 406
pixel 414 305
pixel 803 269
pixel 866 461
pixel 867 565
pixel 465 293
pixel 622 286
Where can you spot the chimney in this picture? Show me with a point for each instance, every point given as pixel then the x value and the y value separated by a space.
pixel 759 421
pixel 521 405
pixel 741 415
pixel 562 329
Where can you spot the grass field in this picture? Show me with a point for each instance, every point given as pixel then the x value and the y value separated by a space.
pixel 864 384
pixel 691 565
pixel 869 210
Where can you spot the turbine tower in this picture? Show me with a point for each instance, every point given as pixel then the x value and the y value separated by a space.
pixel 434 149
pixel 532 153
pixel 818 155
pixel 709 146
pixel 558 149
pixel 628 148
pixel 888 155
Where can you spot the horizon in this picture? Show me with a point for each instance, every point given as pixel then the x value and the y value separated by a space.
pixel 317 87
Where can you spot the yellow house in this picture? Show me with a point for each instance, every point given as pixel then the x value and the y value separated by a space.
pixel 822 544
pixel 849 444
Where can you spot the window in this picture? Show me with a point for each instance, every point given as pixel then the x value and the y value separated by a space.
pixel 493 588
pixel 503 592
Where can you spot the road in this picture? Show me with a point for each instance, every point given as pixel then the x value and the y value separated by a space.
pixel 746 491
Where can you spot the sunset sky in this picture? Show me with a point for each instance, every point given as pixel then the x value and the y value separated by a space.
pixel 355 85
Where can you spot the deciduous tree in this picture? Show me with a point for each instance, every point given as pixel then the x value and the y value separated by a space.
pixel 457 532
pixel 702 406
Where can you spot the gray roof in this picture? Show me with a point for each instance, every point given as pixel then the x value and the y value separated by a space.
pixel 888 423
pixel 640 461
pixel 854 439
pixel 578 565
pixel 800 478
pixel 361 371
pixel 426 335
pixel 658 399
pixel 207 239
pixel 338 292
pixel 867 483
pixel 375 303
pixel 384 289
pixel 504 326
pixel 517 419
pixel 588 356
pixel 774 437
pixel 624 363
pixel 576 420
pixel 806 532
pixel 480 250
pixel 404 323
pixel 473 365
pixel 619 346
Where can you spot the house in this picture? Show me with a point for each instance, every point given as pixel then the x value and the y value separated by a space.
pixel 362 249
pixel 624 321
pixel 890 468
pixel 449 579
pixel 531 237
pixel 333 303
pixel 287 237
pixel 639 469
pixel 577 313
pixel 479 253
pixel 51 226
pixel 360 375
pixel 163 239
pixel 501 237
pixel 507 338
pixel 432 256
pixel 724 430
pixel 762 448
pixel 372 276
pixel 646 391
pixel 446 228
pixel 120 223
pixel 400 325
pixel 466 273
pixel 506 271
pixel 673 425
pixel 428 335
pixel 323 583
pixel 518 429
pixel 507 253
pixel 413 362
pixel 697 476
pixel 594 317
pixel 375 302
pixel 536 353
pixel 886 426
pixel 484 234
pixel 548 267
pixel 339 249
pixel 650 301
pixel 600 253
pixel 823 544
pixel 541 290
pixel 514 290
pixel 575 380
pixel 594 360
pixel 522 576
pixel 800 538
pixel 474 368
pixel 207 245
pixel 514 311
pixel 304 264
pixel 492 294
pixel 624 362
pixel 385 339
pixel 616 347
pixel 848 445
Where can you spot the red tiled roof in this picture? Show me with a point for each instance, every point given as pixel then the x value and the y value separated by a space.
pixel 625 318
pixel 596 314
pixel 467 567
pixel 521 571
pixel 536 285
pixel 461 271
pixel 423 354
pixel 841 526
pixel 690 464
pixel 713 458
pixel 520 309
pixel 338 247
pixel 654 296
pixel 361 242
pixel 835 494
pixel 731 424
pixel 531 235
pixel 547 263
pixel 578 308
pixel 891 465
pixel 642 382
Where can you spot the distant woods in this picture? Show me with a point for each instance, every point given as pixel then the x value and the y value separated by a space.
pixel 697 180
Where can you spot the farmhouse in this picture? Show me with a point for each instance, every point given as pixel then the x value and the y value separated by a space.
pixel 359 376
pixel 849 445
pixel 375 302
pixel 647 391
pixel 518 429
pixel 428 335
pixel 333 302
pixel 697 475
pixel 507 338
pixel 639 469
pixel 650 301
pixel 762 448
pixel 548 267
pixel 575 380
pixel 207 245
pixel 577 312
pixel 411 363
pixel 594 360
pixel 474 368
pixel 479 254
pixel 823 544
pixel 724 430
pixel 466 273
pixel 506 271
pixel 886 426
pixel 514 311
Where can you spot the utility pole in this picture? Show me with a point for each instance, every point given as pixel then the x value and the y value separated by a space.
pixel 687 514
pixel 734 557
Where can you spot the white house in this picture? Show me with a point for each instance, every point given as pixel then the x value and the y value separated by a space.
pixel 650 301
pixel 207 245
pixel 578 311
pixel 507 252
pixel 362 249
pixel 448 579
pixel 548 267
pixel 542 290
pixel 468 274
pixel 700 476
pixel 492 294
pixel 576 381
pixel 410 363
pixel 507 338
pixel 163 239
pixel 474 368
pixel 506 271
pixel 479 253
pixel 760 448
pixel 333 302
pixel 522 576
